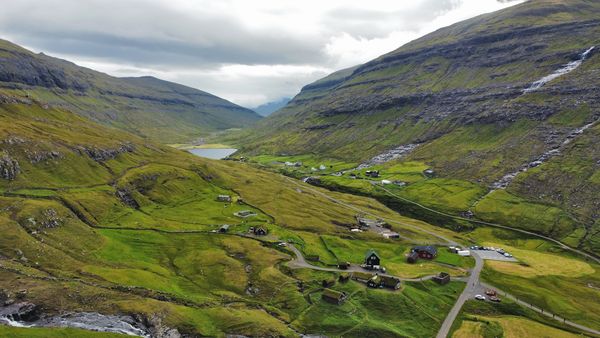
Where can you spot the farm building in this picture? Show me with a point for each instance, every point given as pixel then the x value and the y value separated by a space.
pixel 334 297
pixel 384 282
pixel 371 258
pixel 224 198
pixel 412 257
pixel 224 228
pixel 425 251
pixel 442 279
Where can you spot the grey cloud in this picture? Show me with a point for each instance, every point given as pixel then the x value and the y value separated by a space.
pixel 161 36
pixel 378 23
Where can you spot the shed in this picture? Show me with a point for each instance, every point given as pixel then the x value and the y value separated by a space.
pixel 371 258
pixel 334 297
pixel 442 279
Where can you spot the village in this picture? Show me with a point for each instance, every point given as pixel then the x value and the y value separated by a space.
pixel 370 272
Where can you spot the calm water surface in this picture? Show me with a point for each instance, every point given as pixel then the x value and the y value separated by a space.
pixel 215 154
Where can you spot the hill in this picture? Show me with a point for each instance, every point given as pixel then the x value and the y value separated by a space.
pixel 146 106
pixel 502 102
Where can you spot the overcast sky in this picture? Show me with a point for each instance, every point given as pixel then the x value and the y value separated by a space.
pixel 249 52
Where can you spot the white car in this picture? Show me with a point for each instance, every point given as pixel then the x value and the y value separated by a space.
pixel 506 254
pixel 480 297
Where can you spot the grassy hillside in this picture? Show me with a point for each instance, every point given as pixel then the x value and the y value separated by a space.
pixel 95 219
pixel 146 106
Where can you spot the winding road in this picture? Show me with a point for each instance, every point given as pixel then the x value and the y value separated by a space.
pixel 474 285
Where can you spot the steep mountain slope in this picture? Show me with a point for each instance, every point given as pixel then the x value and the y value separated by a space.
pixel 271 107
pixel 484 100
pixel 146 106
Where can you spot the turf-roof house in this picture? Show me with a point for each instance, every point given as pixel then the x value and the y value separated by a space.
pixel 389 282
pixel 334 297
pixel 372 258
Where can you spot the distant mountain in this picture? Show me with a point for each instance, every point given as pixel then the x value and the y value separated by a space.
pixel 149 107
pixel 271 107
pixel 506 100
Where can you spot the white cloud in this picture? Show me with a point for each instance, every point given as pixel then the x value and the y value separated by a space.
pixel 249 52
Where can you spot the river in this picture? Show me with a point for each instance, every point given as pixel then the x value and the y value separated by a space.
pixel 215 154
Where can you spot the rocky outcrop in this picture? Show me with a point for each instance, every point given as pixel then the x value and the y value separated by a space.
pixel 102 155
pixel 125 195
pixel 37 156
pixel 9 167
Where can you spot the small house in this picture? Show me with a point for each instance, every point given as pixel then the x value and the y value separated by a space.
pixel 344 277
pixel 259 231
pixel 322 167
pixel 443 278
pixel 224 228
pixel 386 182
pixel 371 258
pixel 372 173
pixel 412 257
pixel 334 297
pixel 224 198
pixel 425 251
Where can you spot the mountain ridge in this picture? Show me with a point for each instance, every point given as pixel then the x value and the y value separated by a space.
pixel 147 106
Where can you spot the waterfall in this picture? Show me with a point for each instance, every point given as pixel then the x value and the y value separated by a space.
pixel 569 67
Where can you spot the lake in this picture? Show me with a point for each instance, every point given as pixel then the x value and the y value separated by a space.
pixel 215 154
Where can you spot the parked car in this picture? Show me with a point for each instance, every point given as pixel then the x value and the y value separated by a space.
pixel 479 297
pixel 506 254
pixel 490 292
pixel 495 299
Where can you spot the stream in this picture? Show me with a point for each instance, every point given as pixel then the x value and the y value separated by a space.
pixel 84 320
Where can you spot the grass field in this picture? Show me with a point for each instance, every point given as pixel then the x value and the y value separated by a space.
pixel 511 327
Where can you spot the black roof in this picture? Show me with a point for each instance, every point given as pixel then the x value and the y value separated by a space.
pixel 427 248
